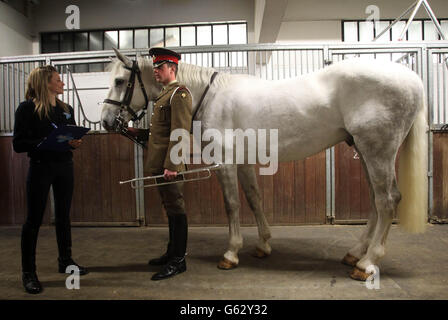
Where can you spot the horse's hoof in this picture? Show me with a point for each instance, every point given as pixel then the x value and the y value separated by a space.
pixel 226 264
pixel 350 260
pixel 258 253
pixel 358 274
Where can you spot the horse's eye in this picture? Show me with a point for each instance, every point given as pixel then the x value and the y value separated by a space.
pixel 119 82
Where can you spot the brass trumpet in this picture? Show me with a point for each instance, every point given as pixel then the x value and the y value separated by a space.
pixel 198 172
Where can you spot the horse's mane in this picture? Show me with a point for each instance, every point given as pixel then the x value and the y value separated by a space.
pixel 114 64
pixel 187 73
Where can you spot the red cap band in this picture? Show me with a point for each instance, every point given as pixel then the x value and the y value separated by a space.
pixel 166 58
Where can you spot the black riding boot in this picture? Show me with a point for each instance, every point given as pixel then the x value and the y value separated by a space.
pixel 163 260
pixel 29 242
pixel 176 264
pixel 64 262
pixel 65 251
pixel 31 282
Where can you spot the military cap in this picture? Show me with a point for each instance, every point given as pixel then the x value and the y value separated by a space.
pixel 162 55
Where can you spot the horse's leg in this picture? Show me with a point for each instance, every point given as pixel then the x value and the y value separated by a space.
pixel 248 180
pixel 360 249
pixel 381 169
pixel 227 177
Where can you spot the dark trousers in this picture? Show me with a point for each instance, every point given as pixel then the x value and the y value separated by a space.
pixel 173 201
pixel 41 175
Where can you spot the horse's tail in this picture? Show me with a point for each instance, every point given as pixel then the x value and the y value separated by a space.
pixel 413 177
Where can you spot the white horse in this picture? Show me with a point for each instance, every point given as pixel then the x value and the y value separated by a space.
pixel 378 106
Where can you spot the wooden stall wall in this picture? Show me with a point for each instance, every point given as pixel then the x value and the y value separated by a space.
pixel 101 162
pixel 294 195
pixel 99 165
pixel 13 172
pixel 352 200
pixel 440 174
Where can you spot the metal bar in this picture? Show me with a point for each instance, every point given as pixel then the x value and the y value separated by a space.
pixel 68 84
pixel 445 77
pixel 395 21
pixel 434 19
pixel 430 98
pixel 266 63
pixel 295 63
pixel 284 65
pixel 9 96
pixel 62 78
pixel 4 97
pixel 23 81
pixel 18 83
pixel 439 87
pixel 329 186
pixel 411 18
pixel 312 60
pixel 301 62
pixel 137 175
pixel 56 57
pixel 445 95
pixel 333 185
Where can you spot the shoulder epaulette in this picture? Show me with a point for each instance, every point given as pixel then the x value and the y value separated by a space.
pixel 179 88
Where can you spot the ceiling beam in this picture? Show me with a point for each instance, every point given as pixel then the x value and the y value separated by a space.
pixel 268 19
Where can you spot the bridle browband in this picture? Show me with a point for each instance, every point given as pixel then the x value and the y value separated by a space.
pixel 126 102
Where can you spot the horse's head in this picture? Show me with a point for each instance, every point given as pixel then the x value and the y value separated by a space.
pixel 129 91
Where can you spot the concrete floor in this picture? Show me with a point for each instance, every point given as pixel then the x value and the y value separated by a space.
pixel 305 264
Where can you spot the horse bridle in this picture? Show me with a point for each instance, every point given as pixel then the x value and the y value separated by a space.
pixel 126 102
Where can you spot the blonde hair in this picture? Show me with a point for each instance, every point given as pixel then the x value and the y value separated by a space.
pixel 37 90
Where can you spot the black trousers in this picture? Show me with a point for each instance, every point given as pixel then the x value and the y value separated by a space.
pixel 42 175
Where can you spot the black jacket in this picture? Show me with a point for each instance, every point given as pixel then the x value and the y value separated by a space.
pixel 30 130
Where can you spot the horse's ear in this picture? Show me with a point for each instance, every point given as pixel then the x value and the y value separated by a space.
pixel 127 61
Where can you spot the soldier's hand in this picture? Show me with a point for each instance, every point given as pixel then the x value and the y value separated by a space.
pixel 169 175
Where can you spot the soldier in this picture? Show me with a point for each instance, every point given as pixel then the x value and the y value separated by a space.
pixel 172 110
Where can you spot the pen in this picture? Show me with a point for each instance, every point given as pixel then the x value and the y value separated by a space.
pixel 54 125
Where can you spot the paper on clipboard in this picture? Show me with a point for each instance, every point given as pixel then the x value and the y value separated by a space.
pixel 59 137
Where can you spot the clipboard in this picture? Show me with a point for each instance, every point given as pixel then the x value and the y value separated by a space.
pixel 59 137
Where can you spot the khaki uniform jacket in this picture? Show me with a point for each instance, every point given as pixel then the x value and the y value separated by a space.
pixel 165 118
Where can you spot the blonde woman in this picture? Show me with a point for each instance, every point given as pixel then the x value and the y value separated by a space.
pixel 35 119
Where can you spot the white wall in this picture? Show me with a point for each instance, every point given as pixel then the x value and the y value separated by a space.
pixel 15 35
pixel 320 21
pixel 310 31
pixel 99 14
